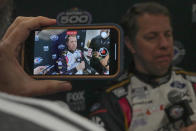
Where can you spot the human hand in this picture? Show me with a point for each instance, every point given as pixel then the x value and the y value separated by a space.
pixel 13 79
pixel 81 66
pixel 40 70
pixel 190 128
pixel 104 62
pixel 96 54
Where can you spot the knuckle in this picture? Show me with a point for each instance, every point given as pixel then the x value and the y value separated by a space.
pixel 40 17
pixel 19 19
pixel 3 48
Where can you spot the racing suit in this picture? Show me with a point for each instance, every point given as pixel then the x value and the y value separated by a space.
pixel 69 61
pixel 138 102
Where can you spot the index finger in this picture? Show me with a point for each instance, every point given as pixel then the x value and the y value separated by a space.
pixel 23 29
pixel 18 20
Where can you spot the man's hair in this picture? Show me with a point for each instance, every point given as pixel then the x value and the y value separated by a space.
pixel 67 37
pixel 129 20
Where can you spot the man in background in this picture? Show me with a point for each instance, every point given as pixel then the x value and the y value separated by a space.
pixel 155 96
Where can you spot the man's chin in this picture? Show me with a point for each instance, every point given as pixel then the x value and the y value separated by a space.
pixel 162 70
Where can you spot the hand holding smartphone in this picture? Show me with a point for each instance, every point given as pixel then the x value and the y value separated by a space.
pixel 75 52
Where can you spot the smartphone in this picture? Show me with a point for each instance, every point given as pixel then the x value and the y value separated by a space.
pixel 92 51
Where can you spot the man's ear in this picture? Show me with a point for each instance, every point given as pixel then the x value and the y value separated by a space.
pixel 129 45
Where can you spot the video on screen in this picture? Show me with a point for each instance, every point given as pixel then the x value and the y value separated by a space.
pixel 72 52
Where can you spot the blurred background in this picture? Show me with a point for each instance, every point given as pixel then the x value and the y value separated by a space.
pixel 85 93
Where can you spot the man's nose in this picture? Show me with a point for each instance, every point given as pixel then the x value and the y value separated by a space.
pixel 163 42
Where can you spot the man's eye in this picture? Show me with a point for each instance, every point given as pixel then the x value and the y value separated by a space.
pixel 150 37
pixel 168 34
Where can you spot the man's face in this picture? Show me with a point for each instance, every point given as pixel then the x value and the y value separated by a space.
pixel 104 33
pixel 153 49
pixel 72 43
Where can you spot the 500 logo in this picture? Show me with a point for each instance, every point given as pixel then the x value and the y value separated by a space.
pixel 74 17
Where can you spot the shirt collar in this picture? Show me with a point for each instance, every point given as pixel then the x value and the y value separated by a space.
pixel 153 80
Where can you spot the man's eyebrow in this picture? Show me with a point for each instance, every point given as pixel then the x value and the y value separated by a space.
pixel 169 31
pixel 155 32
pixel 152 32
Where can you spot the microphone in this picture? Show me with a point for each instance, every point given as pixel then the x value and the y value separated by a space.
pixel 179 109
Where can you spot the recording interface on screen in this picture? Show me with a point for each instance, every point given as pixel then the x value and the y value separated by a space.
pixel 73 52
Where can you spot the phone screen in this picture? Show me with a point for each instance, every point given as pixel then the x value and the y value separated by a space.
pixel 76 52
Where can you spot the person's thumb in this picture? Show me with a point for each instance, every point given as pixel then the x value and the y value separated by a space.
pixel 44 87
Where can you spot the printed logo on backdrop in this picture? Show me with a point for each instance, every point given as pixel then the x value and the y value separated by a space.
pixel 74 16
pixel 76 100
pixel 38 60
pixel 179 53
pixel 194 13
pixel 178 84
